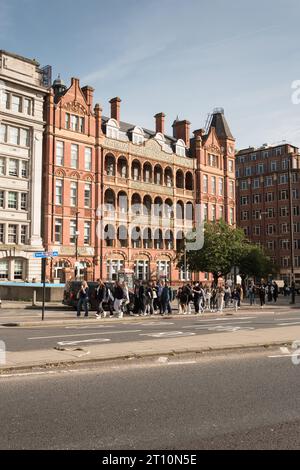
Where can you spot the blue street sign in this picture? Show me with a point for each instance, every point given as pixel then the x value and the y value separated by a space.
pixel 45 254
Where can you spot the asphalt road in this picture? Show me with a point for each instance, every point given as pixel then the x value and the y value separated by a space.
pixel 240 401
pixel 140 329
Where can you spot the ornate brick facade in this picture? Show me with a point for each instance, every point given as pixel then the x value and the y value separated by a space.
pixel 97 170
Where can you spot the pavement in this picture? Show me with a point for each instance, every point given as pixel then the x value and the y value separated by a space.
pixel 232 401
pixel 64 341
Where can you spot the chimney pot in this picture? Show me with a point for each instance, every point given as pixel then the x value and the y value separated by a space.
pixel 160 122
pixel 115 108
pixel 181 130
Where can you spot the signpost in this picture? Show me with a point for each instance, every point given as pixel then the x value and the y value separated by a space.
pixel 44 255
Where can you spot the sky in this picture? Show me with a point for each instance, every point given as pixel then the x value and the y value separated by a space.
pixel 182 57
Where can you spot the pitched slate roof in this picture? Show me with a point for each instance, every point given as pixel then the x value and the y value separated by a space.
pixel 220 124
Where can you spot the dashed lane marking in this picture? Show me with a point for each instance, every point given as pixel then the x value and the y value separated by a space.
pixel 168 334
pixel 71 343
pixel 84 334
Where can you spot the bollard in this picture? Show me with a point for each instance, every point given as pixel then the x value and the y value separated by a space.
pixel 34 298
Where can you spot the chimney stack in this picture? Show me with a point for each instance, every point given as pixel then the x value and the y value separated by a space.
pixel 181 130
pixel 88 92
pixel 160 122
pixel 115 108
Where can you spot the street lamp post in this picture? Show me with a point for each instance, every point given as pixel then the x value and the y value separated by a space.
pixel 76 245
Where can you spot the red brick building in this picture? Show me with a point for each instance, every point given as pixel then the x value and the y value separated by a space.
pixel 120 197
pixel 268 202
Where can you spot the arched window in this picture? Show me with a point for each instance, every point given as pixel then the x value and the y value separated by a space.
pixel 122 167
pixel 189 211
pixel 147 205
pixel 112 129
pixel 109 235
pixel 147 238
pixel 168 177
pixel 147 173
pixel 158 239
pixel 136 203
pixel 122 202
pixel 179 210
pixel 136 170
pixel 180 148
pixel 123 236
pixel 109 202
pixel 136 237
pixel 169 240
pixel 158 207
pixel 189 181
pixel 180 241
pixel 158 174
pixel 138 135
pixel 169 213
pixel 179 179
pixel 110 165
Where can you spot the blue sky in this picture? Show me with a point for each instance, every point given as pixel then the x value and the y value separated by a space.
pixel 182 57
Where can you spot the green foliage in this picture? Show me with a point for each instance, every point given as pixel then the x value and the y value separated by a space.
pixel 223 248
pixel 254 262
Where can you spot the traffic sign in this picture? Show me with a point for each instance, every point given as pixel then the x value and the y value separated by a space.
pixel 45 254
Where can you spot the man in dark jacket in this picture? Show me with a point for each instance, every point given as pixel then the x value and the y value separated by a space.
pixel 100 296
pixel 165 298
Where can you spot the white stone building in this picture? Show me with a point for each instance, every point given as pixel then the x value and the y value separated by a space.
pixel 21 145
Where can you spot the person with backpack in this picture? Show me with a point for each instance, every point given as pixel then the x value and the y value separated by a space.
pixel 83 298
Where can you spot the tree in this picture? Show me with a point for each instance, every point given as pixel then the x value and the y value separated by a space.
pixel 222 249
pixel 254 262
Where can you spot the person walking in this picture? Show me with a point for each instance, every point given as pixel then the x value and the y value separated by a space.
pixel 119 299
pixel 293 292
pixel 275 291
pixel 235 299
pixel 165 298
pixel 100 296
pixel 149 300
pixel 251 293
pixel 262 294
pixel 83 298
pixel 220 299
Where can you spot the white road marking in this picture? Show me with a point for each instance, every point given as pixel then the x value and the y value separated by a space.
pixel 285 350
pixel 87 327
pixel 85 334
pixel 71 343
pixel 148 323
pixel 229 328
pixel 207 327
pixel 176 363
pixel 288 324
pixel 283 355
pixel 168 334
pixel 225 319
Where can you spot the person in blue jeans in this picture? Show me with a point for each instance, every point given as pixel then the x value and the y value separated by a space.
pixel 83 298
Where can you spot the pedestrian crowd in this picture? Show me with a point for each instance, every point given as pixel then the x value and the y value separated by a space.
pixel 150 298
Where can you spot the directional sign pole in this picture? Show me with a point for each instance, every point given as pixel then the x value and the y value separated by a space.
pixel 44 286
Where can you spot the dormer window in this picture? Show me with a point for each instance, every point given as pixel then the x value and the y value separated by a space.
pixel 112 129
pixel 138 136
pixel 180 148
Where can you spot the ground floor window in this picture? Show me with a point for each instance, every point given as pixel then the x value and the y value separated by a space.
pixel 59 270
pixel 18 269
pixel 113 266
pixel 163 269
pixel 142 270
pixel 185 276
pixel 3 269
